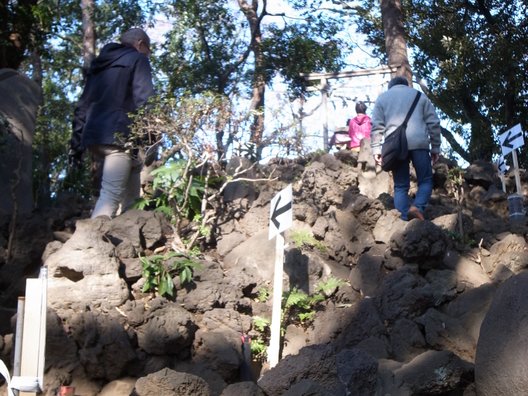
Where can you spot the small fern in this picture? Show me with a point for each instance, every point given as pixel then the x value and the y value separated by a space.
pixel 260 323
pixel 304 238
pixel 330 286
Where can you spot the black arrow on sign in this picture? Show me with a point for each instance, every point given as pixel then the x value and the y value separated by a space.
pixel 278 211
pixel 509 139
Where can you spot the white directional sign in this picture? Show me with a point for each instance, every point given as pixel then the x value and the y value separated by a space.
pixel 281 213
pixel 280 219
pixel 501 166
pixel 511 139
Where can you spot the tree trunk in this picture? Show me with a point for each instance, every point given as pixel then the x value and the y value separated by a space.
pixel 259 77
pixel 88 45
pixel 42 186
pixel 481 143
pixel 395 42
pixel 87 7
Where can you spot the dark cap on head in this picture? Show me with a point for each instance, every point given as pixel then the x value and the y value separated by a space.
pixel 399 80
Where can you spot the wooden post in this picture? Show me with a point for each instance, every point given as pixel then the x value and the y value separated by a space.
pixel 274 347
pixel 516 172
pixel 503 181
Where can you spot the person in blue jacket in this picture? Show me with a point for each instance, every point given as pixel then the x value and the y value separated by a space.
pixel 423 139
pixel 118 82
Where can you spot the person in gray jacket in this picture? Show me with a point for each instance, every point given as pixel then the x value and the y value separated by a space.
pixel 423 137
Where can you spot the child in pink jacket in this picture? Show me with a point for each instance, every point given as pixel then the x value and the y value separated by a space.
pixel 359 127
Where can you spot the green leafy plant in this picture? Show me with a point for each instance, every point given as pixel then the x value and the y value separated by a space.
pixel 263 294
pixel 175 192
pixel 301 305
pixel 463 239
pixel 204 230
pixel 303 237
pixel 297 306
pixel 157 275
pixel 158 271
pixel 184 268
pixel 258 342
pixel 260 323
pixel 189 176
pixel 306 316
pixel 259 349
pixel 330 286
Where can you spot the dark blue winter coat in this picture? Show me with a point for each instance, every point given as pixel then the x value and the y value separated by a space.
pixel 119 82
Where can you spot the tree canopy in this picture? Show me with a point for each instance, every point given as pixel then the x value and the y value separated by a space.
pixel 472 54
pixel 237 51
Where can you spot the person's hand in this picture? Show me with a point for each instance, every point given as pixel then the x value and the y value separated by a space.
pixel 75 158
pixel 377 158
pixel 434 158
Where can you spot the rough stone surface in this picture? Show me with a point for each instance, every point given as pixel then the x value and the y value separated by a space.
pixel 168 382
pixel 357 371
pixel 122 387
pixel 316 363
pixel 433 373
pixel 243 389
pixel 168 330
pixel 18 114
pixel 84 269
pixel 394 307
pixel 501 367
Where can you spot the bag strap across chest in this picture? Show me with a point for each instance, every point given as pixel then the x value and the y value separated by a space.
pixel 413 106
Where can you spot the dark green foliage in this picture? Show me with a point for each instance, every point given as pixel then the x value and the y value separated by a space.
pixel 473 57
pixel 297 49
pixel 176 193
pixel 51 173
pixel 158 271
pixel 17 32
pixel 202 48
pixel 207 49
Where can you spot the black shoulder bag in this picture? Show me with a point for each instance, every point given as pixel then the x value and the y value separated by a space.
pixel 394 148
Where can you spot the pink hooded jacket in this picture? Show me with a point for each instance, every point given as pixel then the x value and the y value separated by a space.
pixel 359 128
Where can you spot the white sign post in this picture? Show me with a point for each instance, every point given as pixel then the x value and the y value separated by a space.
pixel 281 218
pixel 30 341
pixel 34 334
pixel 502 168
pixel 511 140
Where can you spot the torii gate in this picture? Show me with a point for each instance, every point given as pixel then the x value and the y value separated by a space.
pixel 324 86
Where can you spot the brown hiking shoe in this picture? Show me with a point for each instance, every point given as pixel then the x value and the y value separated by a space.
pixel 414 213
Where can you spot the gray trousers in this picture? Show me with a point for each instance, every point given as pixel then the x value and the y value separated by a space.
pixel 121 181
